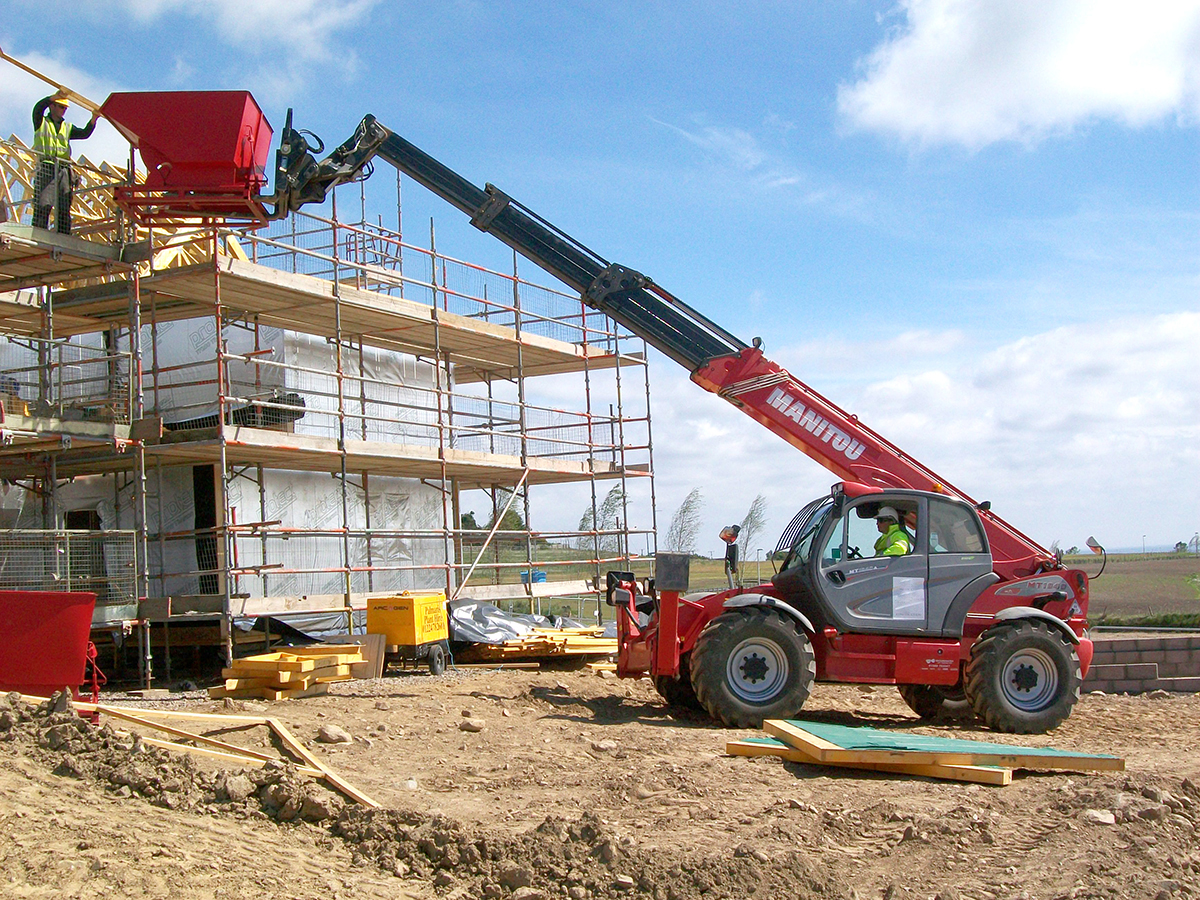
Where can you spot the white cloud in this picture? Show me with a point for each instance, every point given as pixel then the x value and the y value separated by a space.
pixel 974 72
pixel 1083 429
pixel 309 28
pixel 738 158
pixel 732 146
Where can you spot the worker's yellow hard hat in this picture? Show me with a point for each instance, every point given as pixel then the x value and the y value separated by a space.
pixel 60 101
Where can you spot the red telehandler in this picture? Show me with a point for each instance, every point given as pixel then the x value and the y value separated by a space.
pixel 976 612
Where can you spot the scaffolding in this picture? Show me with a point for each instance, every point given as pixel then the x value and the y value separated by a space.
pixel 295 418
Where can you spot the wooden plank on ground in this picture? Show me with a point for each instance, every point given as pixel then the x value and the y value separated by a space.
pixel 840 743
pixel 234 758
pixel 288 662
pixel 266 674
pixel 373 651
pixel 294 693
pixel 276 662
pixel 174 714
pixel 287 680
pixel 532 664
pixel 187 735
pixel 325 650
pixel 993 775
pixel 301 752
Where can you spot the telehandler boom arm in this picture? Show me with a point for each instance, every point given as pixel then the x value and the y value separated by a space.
pixel 718 361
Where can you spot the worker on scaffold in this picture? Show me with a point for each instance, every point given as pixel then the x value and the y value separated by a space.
pixel 54 183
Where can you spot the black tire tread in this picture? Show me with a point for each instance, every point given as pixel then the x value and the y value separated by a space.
pixel 678 691
pixel 986 654
pixel 708 667
pixel 923 699
pixel 437 659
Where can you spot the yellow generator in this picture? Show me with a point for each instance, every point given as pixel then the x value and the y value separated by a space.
pixel 415 625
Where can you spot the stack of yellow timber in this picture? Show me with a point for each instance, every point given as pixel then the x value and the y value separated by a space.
pixel 824 744
pixel 546 643
pixel 295 672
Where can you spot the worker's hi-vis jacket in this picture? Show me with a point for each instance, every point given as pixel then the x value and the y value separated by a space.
pixel 894 542
pixel 53 141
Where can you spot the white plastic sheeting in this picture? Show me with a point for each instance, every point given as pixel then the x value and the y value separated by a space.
pixel 391 402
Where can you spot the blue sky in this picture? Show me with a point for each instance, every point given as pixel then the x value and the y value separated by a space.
pixel 975 223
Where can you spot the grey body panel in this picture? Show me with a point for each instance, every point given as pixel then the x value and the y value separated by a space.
pixel 741 601
pixel 1028 612
pixel 956 614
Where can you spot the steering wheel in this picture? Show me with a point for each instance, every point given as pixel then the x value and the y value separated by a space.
pixel 853 553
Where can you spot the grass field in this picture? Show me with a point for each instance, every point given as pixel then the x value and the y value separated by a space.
pixel 1134 585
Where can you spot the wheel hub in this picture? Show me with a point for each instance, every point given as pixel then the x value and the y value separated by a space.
pixel 754 668
pixel 1025 678
pixel 757 670
pixel 1030 680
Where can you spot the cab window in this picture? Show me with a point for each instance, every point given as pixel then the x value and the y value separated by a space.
pixel 856 534
pixel 952 529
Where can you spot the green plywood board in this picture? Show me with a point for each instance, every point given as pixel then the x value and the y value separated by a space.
pixel 862 738
pixel 842 743
pixel 767 746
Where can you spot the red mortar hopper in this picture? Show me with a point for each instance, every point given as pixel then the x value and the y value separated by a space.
pixel 205 154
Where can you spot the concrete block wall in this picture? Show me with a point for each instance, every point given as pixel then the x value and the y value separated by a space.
pixel 1134 665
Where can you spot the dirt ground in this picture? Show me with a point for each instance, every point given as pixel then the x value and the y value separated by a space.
pixel 580 785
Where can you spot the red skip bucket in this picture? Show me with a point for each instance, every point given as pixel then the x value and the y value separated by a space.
pixel 43 640
pixel 207 141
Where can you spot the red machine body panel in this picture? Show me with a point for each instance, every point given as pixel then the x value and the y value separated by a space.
pixel 196 140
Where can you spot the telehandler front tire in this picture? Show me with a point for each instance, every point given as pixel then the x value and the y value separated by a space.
pixel 678 691
pixel 752 664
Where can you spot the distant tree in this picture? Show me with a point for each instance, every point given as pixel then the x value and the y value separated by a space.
pixel 511 520
pixel 1074 551
pixel 1181 547
pixel 685 524
pixel 752 525
pixel 468 521
pixel 609 513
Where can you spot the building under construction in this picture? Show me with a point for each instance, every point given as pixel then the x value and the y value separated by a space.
pixel 213 426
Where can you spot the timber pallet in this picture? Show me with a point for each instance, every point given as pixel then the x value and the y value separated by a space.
pixel 873 749
pixel 287 675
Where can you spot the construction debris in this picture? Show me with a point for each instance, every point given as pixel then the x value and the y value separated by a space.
pixel 77 735
pixel 545 643
pixel 819 743
pixel 296 672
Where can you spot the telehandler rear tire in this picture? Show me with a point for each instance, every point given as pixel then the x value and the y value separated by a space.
pixel 1023 677
pixel 752 664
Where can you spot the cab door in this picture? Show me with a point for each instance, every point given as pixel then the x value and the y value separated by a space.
pixel 958 556
pixel 867 593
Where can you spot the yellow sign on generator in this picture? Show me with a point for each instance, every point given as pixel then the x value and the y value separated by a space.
pixel 409 619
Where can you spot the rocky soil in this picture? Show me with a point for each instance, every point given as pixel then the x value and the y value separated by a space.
pixel 535 784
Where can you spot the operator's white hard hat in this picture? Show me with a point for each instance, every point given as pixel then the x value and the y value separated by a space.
pixel 887 512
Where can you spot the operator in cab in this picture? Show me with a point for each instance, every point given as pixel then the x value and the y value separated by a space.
pixel 893 540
